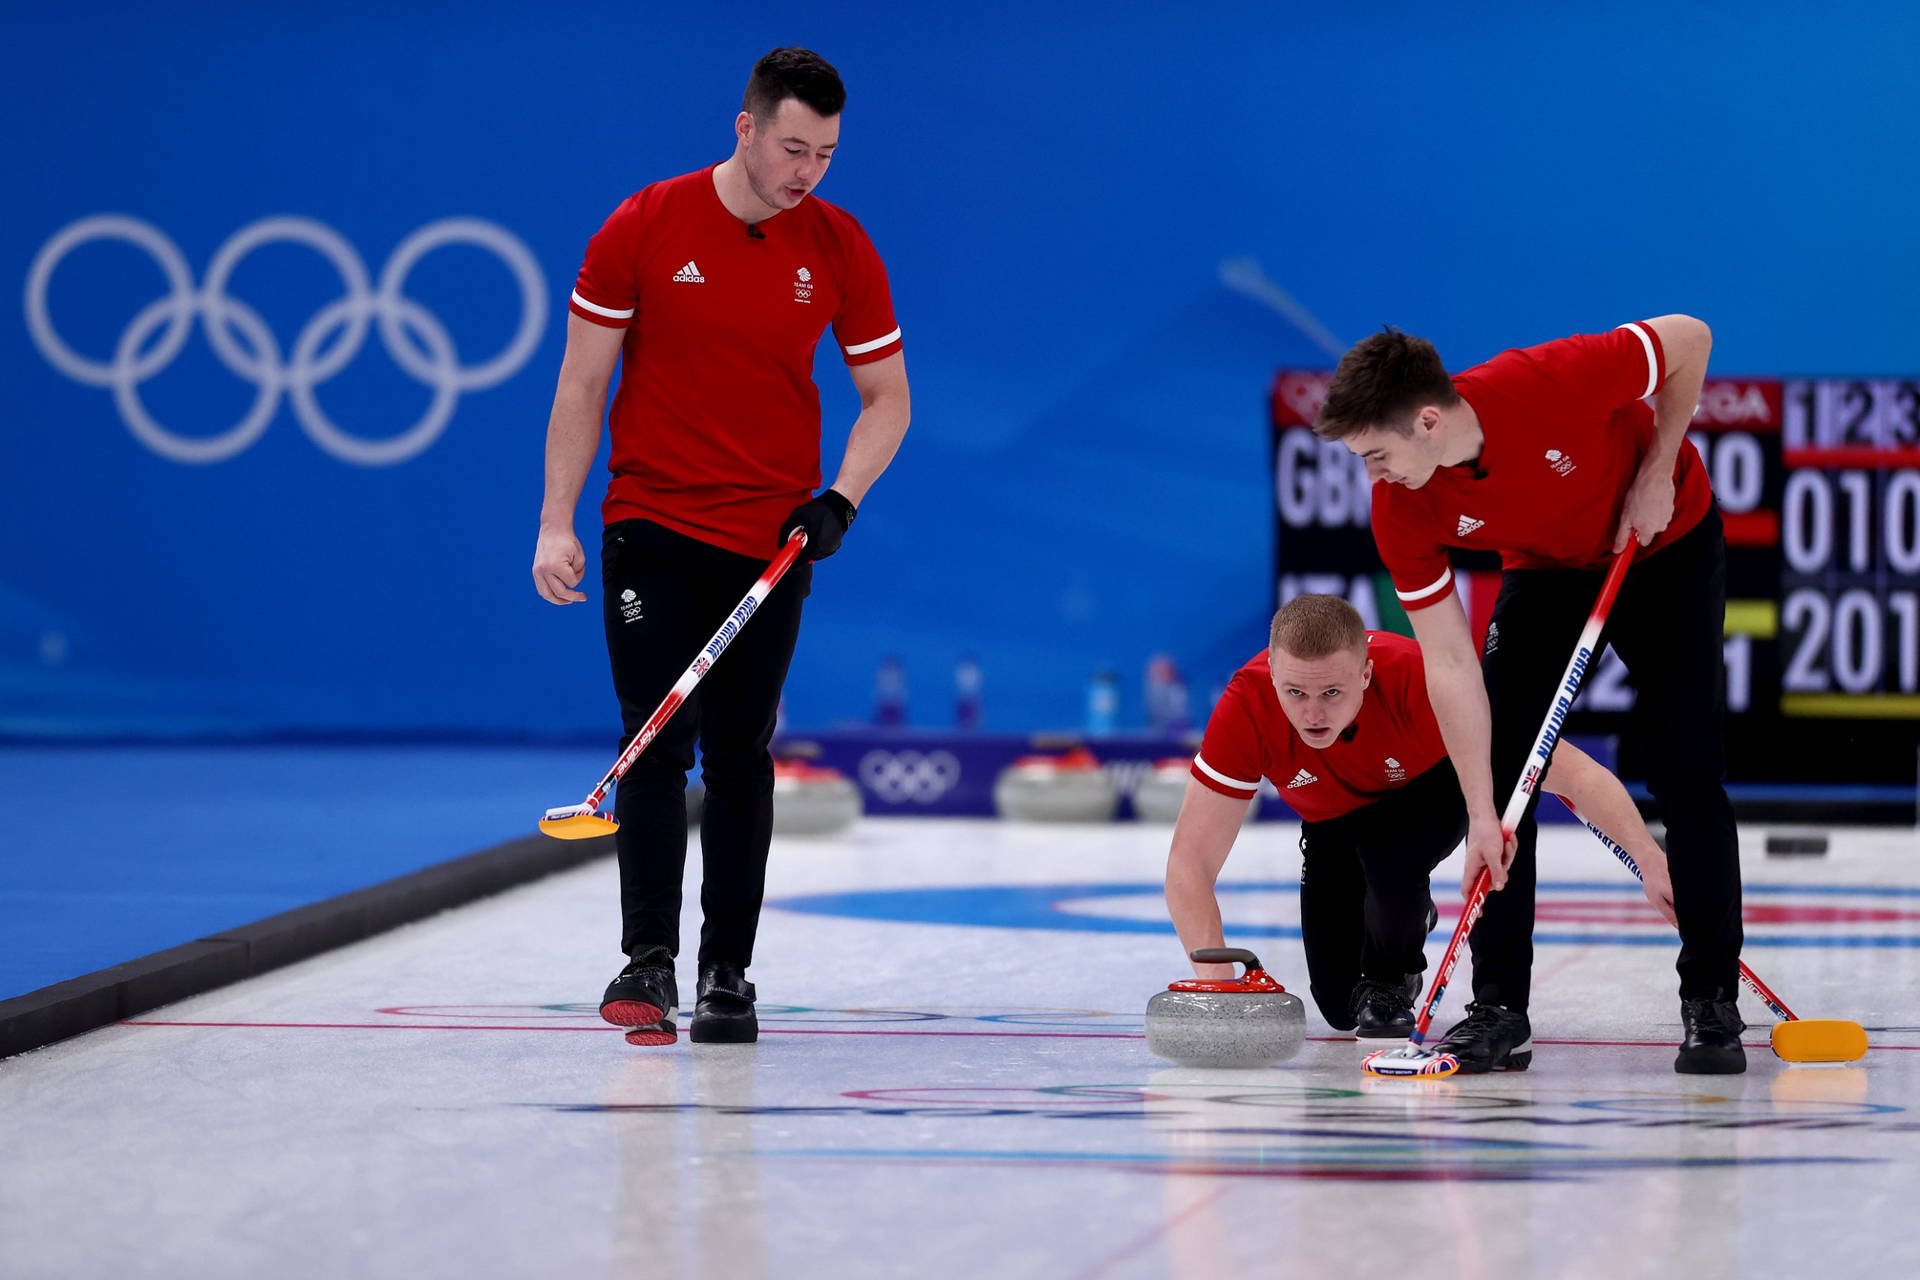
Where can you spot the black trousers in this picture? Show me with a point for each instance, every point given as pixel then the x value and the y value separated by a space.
pixel 1667 626
pixel 663 596
pixel 1364 886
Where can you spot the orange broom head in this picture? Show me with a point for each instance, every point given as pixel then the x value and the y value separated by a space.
pixel 1819 1040
pixel 576 822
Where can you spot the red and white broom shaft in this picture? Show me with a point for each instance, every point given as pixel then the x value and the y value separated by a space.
pixel 1759 988
pixel 1767 997
pixel 696 670
pixel 1584 654
pixel 1475 901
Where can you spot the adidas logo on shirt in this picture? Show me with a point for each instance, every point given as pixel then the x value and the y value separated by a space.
pixel 1301 779
pixel 1467 525
pixel 689 274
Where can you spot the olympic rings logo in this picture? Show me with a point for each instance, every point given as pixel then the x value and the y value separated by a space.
pixel 245 345
pixel 899 776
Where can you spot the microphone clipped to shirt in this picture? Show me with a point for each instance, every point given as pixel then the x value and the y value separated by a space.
pixel 754 232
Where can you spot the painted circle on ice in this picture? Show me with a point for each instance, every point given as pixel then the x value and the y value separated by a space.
pixel 1568 912
pixel 995 1095
pixel 1810 1108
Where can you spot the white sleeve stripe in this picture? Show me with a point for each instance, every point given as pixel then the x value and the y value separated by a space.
pixel 1408 597
pixel 1653 361
pixel 1222 778
pixel 599 310
pixel 861 348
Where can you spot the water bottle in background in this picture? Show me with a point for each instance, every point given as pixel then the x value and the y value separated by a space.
pixel 967 708
pixel 1179 710
pixel 1166 696
pixel 1103 703
pixel 890 692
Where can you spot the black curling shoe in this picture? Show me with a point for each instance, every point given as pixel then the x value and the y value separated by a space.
pixel 1382 1011
pixel 1490 1038
pixel 724 1014
pixel 1712 1044
pixel 644 998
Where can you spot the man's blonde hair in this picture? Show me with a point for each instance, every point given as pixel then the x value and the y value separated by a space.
pixel 1316 626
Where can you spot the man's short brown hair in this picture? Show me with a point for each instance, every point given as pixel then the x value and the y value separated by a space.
pixel 1316 626
pixel 1382 382
pixel 793 73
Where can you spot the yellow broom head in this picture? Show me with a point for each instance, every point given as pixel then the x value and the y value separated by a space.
pixel 577 822
pixel 1819 1040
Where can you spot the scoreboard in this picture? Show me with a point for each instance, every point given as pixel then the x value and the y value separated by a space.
pixel 1850 548
pixel 1818 481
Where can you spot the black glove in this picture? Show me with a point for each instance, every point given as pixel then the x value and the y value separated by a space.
pixel 825 520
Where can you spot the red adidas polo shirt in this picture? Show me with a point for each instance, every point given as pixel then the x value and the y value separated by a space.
pixel 716 425
pixel 1566 425
pixel 1393 740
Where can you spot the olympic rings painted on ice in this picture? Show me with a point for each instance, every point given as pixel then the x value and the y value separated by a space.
pixel 244 343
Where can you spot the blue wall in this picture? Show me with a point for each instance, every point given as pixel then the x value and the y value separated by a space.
pixel 1086 481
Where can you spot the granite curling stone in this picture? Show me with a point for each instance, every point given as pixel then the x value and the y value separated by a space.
pixel 812 801
pixel 1248 1021
pixel 1063 788
pixel 1159 794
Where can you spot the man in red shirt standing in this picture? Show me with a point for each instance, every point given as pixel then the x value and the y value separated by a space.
pixel 1337 717
pixel 712 290
pixel 1553 456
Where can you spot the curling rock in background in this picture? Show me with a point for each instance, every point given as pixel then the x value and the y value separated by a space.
pixel 1157 798
pixel 812 801
pixel 1248 1021
pixel 1063 788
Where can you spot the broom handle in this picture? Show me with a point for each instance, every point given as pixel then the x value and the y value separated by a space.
pixel 1584 654
pixel 756 596
pixel 1759 988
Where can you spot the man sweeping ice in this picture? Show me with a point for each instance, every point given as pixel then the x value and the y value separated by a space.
pixel 1562 457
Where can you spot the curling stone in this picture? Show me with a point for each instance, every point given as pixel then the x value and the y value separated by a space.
pixel 1788 844
pixel 1247 1021
pixel 1160 793
pixel 1064 788
pixel 1157 797
pixel 809 800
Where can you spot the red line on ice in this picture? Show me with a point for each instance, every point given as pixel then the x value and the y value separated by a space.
pixel 827 1031
pixel 774 1031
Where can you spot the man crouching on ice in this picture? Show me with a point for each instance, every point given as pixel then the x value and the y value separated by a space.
pixel 1337 716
